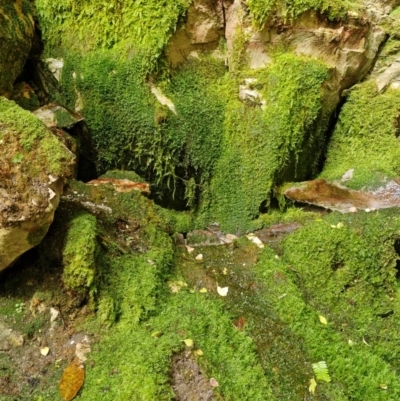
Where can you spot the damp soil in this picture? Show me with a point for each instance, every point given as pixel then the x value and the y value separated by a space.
pixel 29 296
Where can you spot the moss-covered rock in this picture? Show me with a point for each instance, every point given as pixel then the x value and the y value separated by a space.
pixel 343 268
pixel 33 167
pixel 16 34
pixel 366 138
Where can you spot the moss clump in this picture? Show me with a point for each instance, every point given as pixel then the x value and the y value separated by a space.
pixel 146 26
pixel 143 363
pixel 346 275
pixel 366 138
pixel 261 10
pixel 79 254
pixel 391 23
pixel 261 148
pixel 179 151
pixel 30 154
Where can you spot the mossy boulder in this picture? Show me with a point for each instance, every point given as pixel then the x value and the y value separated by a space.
pixel 16 34
pixel 33 166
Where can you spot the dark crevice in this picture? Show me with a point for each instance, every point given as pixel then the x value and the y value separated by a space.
pixel 397 250
pixel 333 120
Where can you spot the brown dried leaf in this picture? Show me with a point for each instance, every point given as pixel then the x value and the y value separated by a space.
pixel 239 323
pixel 72 380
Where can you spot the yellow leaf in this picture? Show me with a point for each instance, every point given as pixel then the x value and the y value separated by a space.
pixel 44 351
pixel 340 225
pixel 157 334
pixel 322 319
pixel 313 386
pixel 72 380
pixel 189 342
pixel 203 290
pixel 199 352
pixel 223 291
pixel 214 383
pixel 189 249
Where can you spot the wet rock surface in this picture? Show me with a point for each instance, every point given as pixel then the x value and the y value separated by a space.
pixel 189 384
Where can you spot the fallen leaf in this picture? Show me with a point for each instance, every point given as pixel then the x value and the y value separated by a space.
pixel 383 386
pixel 176 286
pixel 225 271
pixel 199 352
pixel 189 342
pixel 322 319
pixel 44 351
pixel 203 290
pixel 189 249
pixel 223 291
pixel 255 240
pixel 157 334
pixel 313 386
pixel 199 256
pixel 214 383
pixel 340 225
pixel 53 314
pixel 239 323
pixel 72 380
pixel 363 340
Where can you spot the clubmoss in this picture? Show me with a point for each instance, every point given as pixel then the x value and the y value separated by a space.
pixel 366 138
pixel 79 254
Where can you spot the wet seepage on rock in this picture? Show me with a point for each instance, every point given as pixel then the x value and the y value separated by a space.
pixel 340 198
pixel 189 384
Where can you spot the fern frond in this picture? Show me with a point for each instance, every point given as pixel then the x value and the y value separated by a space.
pixel 321 371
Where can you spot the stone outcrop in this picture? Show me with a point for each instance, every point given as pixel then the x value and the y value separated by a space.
pixel 203 29
pixel 33 166
pixel 337 197
pixel 17 31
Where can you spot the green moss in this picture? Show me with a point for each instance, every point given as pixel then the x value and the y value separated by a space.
pixel 346 275
pixel 261 10
pixel 32 153
pixel 262 148
pixel 366 138
pixel 391 23
pixel 16 33
pixel 143 363
pixel 123 175
pixel 79 254
pixel 138 26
